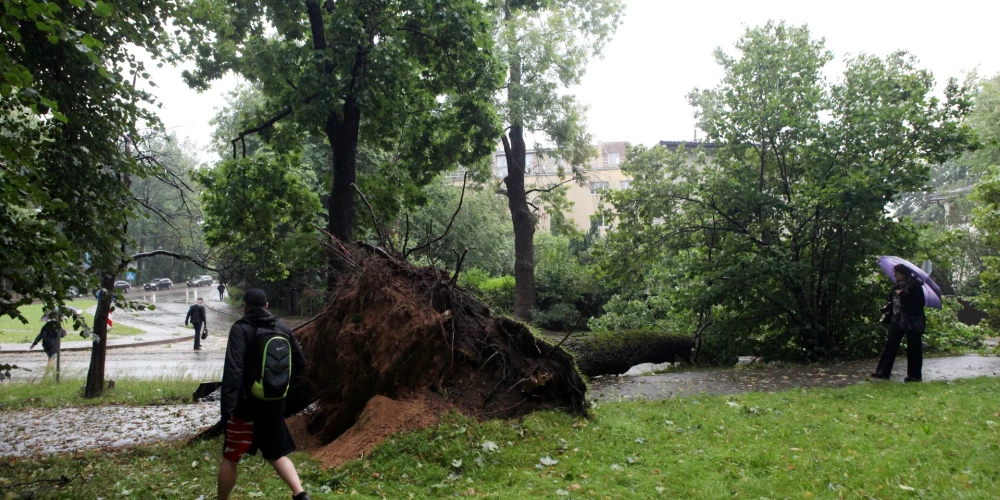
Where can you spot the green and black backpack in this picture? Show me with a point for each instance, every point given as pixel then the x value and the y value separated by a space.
pixel 275 375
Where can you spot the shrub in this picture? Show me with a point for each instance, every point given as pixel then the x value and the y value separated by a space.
pixel 560 317
pixel 945 333
pixel 497 293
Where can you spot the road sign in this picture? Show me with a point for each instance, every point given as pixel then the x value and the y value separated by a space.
pixel 130 276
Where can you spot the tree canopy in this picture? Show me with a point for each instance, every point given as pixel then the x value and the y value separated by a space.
pixel 772 240
pixel 412 78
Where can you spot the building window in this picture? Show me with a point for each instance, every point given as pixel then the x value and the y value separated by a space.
pixel 612 159
pixel 624 184
pixel 597 187
pixel 500 171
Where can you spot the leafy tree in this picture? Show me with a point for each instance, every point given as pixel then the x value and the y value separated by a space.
pixel 482 226
pixel 411 77
pixel 71 113
pixel 545 45
pixel 987 219
pixel 773 241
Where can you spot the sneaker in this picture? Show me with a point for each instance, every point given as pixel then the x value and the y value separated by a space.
pixel 913 379
pixel 301 496
pixel 878 377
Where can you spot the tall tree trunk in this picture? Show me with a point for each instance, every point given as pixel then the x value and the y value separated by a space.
pixel 343 139
pixel 524 225
pixel 99 350
pixel 517 200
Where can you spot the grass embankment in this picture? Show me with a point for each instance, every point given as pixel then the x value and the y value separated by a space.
pixel 127 391
pixel 882 441
pixel 13 331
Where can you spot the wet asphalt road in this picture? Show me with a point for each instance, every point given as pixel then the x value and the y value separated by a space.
pixel 772 379
pixel 169 360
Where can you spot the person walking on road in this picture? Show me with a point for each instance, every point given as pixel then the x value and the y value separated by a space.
pixel 196 315
pixel 907 319
pixel 50 336
pixel 253 403
pixel 222 290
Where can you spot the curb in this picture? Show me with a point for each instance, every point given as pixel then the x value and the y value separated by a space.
pixel 173 340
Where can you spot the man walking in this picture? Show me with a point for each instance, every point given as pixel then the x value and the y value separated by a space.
pixel 222 290
pixel 50 336
pixel 196 315
pixel 254 416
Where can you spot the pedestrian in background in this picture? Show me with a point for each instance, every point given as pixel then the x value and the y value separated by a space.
pixel 50 336
pixel 196 315
pixel 222 290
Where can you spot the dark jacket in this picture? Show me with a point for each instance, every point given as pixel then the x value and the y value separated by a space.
pixel 908 304
pixel 237 376
pixel 50 335
pixel 196 314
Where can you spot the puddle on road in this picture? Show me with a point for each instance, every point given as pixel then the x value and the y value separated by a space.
pixel 46 431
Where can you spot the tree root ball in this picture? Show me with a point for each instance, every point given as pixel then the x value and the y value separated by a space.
pixel 395 330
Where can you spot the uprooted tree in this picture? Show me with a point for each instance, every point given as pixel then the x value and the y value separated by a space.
pixel 397 330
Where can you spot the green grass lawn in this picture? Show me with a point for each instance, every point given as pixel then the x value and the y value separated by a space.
pixel 13 331
pixel 127 391
pixel 885 440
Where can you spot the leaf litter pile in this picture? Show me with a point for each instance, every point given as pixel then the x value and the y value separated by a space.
pixel 397 345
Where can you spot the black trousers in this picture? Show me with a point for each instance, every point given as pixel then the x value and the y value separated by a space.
pixel 914 352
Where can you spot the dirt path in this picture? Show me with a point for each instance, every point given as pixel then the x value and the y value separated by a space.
pixel 772 379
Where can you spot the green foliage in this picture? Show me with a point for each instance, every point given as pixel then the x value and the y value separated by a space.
pixel 946 334
pixel 482 225
pixel 987 220
pixel 858 441
pixel 414 79
pixel 67 102
pixel 497 293
pixel 127 391
pixel 773 240
pixel 259 215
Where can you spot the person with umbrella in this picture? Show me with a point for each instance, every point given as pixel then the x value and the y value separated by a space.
pixel 912 291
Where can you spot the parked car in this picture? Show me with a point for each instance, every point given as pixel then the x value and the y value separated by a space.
pixel 205 280
pixel 124 286
pixel 159 284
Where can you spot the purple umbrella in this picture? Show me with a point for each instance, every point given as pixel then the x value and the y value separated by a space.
pixel 932 292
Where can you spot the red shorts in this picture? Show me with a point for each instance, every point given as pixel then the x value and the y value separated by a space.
pixel 239 437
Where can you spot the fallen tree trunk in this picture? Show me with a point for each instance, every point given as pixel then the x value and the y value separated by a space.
pixel 611 353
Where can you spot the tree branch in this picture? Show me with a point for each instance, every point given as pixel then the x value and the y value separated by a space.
pixel 316 24
pixel 168 253
pixel 447 229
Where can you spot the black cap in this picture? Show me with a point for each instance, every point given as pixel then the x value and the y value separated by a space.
pixel 255 297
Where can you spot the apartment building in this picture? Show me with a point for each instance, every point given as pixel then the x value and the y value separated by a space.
pixel 603 173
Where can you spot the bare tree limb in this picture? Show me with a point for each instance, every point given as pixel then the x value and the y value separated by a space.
pixel 378 226
pixel 428 243
pixel 168 253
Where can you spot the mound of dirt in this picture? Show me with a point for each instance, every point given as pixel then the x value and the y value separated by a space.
pixel 396 343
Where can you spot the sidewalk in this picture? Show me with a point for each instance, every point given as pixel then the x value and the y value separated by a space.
pixel 153 335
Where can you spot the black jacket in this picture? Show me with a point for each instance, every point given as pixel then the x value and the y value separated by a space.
pixel 908 304
pixel 237 376
pixel 196 314
pixel 50 335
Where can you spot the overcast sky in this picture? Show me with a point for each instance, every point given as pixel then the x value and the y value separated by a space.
pixel 663 49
